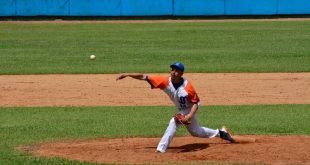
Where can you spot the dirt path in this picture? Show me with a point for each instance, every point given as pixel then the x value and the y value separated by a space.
pixel 103 90
pixel 176 20
pixel 266 150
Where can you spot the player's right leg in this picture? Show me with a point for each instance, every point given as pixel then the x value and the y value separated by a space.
pixel 195 130
pixel 203 132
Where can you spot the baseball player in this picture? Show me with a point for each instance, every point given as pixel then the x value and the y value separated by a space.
pixel 186 100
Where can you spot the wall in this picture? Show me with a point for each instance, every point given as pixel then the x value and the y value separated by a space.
pixel 151 7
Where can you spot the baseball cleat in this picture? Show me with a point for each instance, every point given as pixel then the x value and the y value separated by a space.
pixel 225 134
pixel 158 151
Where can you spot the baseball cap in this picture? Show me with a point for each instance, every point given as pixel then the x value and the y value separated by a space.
pixel 178 65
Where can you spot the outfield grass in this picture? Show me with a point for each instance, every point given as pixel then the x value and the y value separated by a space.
pixel 152 47
pixel 21 126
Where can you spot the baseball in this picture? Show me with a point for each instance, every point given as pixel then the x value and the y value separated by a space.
pixel 92 57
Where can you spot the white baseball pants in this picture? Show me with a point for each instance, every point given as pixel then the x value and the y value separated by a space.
pixel 194 129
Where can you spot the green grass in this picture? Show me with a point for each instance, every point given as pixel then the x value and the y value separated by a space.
pixel 21 126
pixel 152 47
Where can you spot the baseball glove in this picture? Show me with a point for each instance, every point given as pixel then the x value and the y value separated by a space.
pixel 180 119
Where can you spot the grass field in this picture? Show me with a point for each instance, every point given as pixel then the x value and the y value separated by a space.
pixel 20 126
pixel 151 47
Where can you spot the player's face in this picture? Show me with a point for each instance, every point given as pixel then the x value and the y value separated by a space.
pixel 176 75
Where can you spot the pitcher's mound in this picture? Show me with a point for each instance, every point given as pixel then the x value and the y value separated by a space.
pixel 265 149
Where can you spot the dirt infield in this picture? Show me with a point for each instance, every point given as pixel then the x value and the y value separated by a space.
pixel 104 90
pixel 61 21
pixel 266 150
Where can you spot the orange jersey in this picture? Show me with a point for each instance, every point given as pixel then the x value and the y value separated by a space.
pixel 184 97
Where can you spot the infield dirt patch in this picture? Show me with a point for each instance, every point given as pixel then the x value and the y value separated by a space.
pixel 104 90
pixel 184 150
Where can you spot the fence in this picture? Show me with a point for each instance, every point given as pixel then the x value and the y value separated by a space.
pixel 152 7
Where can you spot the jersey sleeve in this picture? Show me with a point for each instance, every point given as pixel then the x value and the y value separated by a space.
pixel 160 82
pixel 192 95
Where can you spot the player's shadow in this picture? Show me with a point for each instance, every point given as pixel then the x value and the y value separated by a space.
pixel 191 147
pixel 187 147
